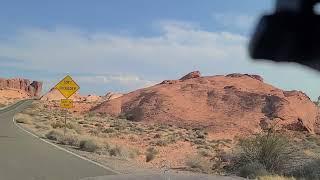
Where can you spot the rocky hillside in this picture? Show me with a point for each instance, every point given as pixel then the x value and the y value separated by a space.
pixel 233 104
pixel 32 88
pixel 55 95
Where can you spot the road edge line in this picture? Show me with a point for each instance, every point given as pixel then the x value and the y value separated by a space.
pixel 63 149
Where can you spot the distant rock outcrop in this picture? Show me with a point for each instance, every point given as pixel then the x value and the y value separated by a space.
pixel 33 88
pixel 55 95
pixel 112 95
pixel 227 105
pixel 92 98
pixel 194 74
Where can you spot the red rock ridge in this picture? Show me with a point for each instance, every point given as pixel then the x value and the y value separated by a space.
pixel 33 88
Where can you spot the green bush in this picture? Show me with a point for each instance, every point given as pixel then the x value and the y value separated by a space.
pixel 88 145
pixel 272 150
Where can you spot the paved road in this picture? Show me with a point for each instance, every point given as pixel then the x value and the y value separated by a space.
pixel 168 176
pixel 24 157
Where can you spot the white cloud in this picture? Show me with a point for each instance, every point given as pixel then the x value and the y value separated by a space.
pixel 125 80
pixel 70 50
pixel 234 21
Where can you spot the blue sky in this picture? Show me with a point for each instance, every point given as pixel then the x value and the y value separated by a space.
pixel 121 45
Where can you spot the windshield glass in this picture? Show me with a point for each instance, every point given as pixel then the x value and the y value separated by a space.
pixel 153 89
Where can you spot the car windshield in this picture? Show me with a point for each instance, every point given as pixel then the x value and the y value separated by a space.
pixel 122 89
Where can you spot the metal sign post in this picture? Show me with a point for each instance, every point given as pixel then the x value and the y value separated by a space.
pixel 66 104
pixel 65 123
pixel 67 87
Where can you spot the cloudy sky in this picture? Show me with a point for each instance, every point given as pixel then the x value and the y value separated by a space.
pixel 121 45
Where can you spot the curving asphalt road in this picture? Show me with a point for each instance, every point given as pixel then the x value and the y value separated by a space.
pixel 24 157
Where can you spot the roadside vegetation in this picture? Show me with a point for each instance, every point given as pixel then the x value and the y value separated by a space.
pixel 2 105
pixel 23 118
pixel 266 155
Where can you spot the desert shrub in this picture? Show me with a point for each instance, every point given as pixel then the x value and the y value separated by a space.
pixel 82 122
pixel 23 121
pixel 69 139
pixel 133 153
pixel 54 135
pixel 272 150
pixel 115 151
pixel 151 154
pixel 199 164
pixel 58 124
pixel 161 142
pixel 71 125
pixel 109 130
pixel 126 116
pixel 91 114
pixel 205 153
pixel 275 177
pixel 23 118
pixel 310 170
pixel 94 132
pixel 123 152
pixel 88 145
pixel 199 141
pixel 253 170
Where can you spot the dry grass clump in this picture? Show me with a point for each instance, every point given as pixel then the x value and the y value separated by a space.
pixel 57 125
pixel 275 177
pixel 70 139
pixel 54 135
pixel 122 152
pixel 89 145
pixel 164 140
pixel 309 170
pixel 116 151
pixel 23 118
pixel 2 105
pixel 151 154
pixel 198 163
pixel 253 170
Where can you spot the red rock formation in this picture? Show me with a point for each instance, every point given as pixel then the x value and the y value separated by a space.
pixel 92 98
pixel 236 75
pixel 169 82
pixel 230 105
pixel 33 89
pixel 111 95
pixel 194 74
pixel 55 95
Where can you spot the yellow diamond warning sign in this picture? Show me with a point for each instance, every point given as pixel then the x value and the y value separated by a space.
pixel 67 87
pixel 66 103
